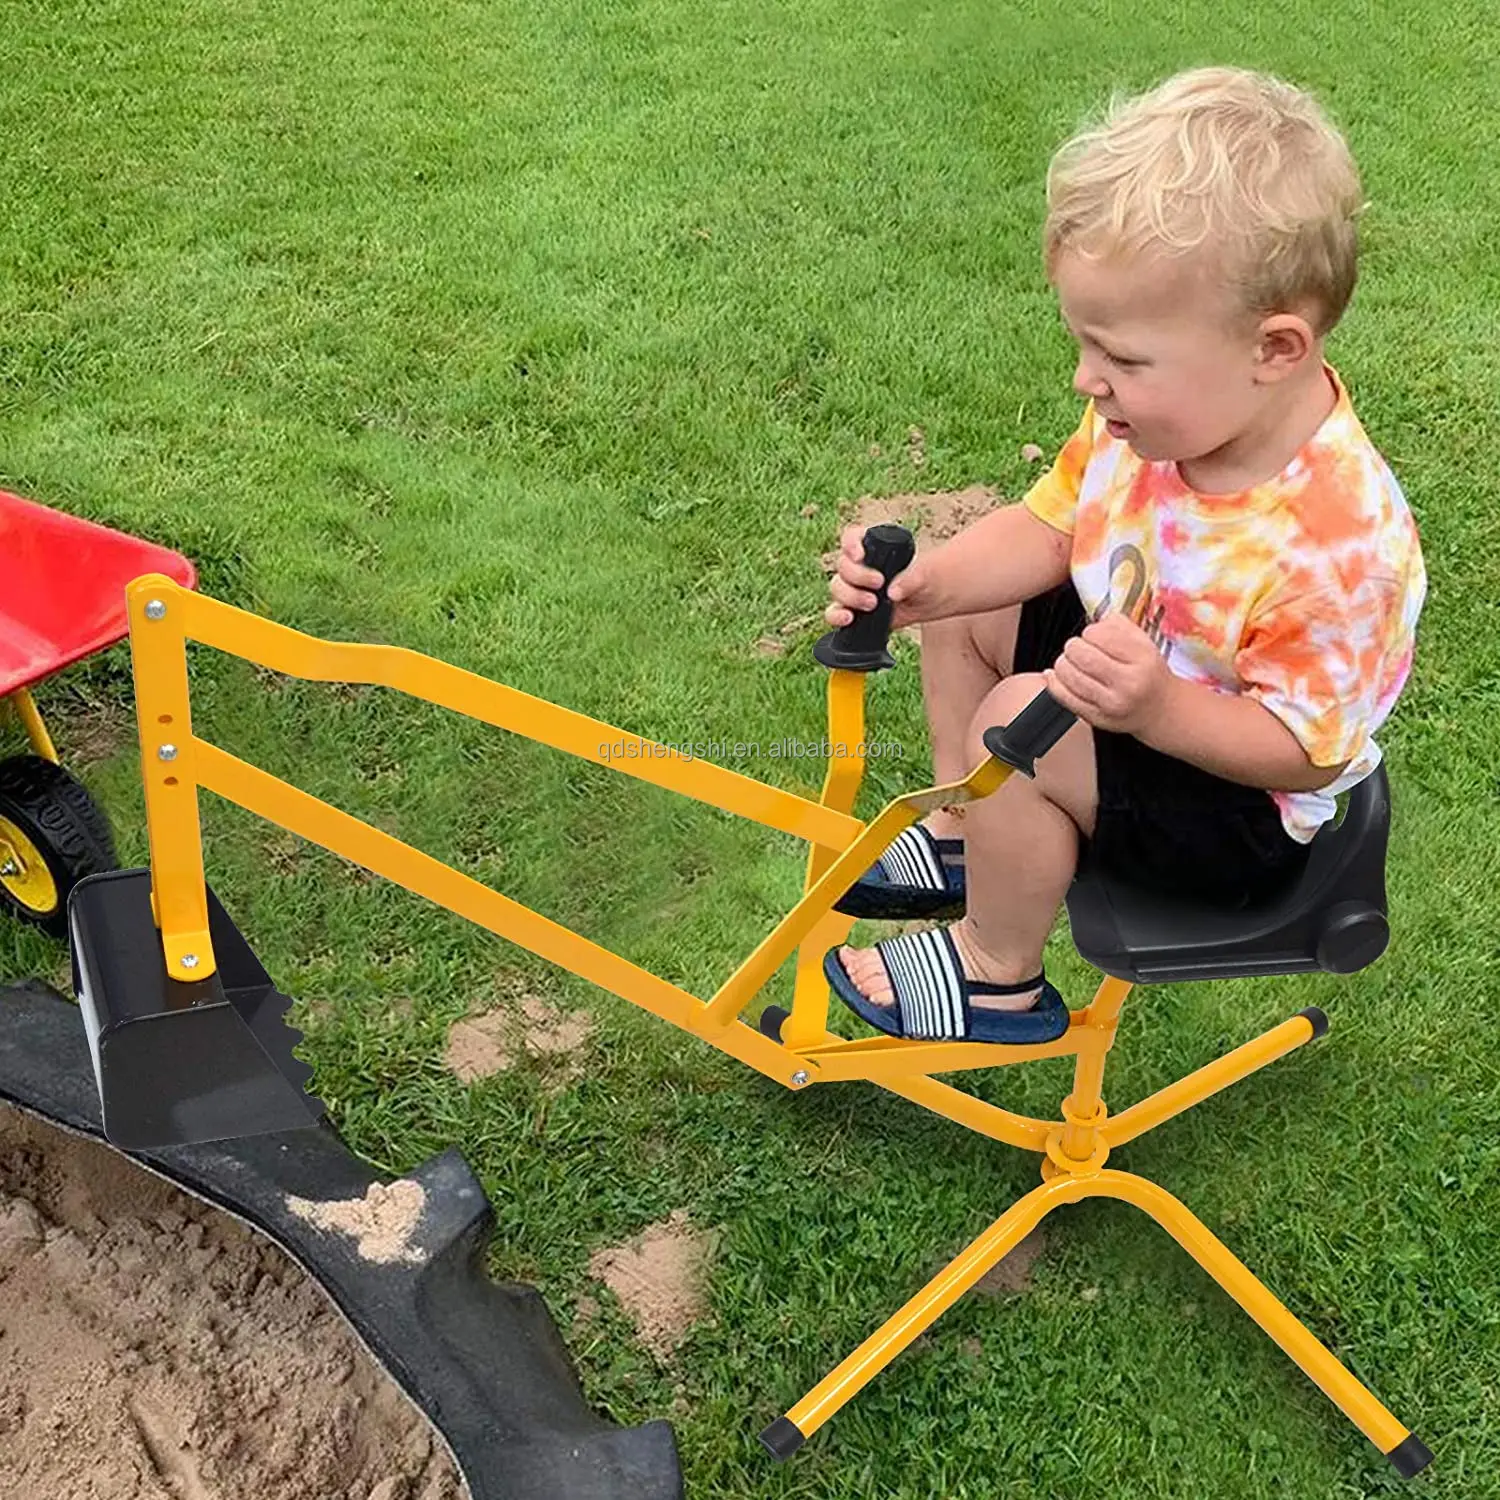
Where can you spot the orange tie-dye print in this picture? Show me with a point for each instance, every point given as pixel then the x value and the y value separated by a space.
pixel 1302 592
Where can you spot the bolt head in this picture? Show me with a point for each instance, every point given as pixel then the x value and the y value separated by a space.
pixel 167 752
pixel 799 1078
pixel 189 960
pixel 155 609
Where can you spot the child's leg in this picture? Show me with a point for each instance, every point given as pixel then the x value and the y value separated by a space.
pixel 963 660
pixel 1022 848
pixel 921 874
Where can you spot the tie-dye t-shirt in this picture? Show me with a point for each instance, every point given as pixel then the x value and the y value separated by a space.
pixel 1302 591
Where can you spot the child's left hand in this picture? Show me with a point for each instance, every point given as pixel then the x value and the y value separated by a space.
pixel 1112 676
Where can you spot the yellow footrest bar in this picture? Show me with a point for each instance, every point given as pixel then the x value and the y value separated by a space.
pixel 888 1057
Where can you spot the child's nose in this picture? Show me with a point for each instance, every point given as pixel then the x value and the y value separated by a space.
pixel 1087 381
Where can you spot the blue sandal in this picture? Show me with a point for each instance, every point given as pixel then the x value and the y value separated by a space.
pixel 916 879
pixel 933 996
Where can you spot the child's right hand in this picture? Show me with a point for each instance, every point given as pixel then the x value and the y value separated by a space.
pixel 853 585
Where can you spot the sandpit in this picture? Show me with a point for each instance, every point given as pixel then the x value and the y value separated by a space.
pixel 153 1348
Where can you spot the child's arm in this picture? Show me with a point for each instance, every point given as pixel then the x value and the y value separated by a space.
pixel 1232 736
pixel 1114 677
pixel 1005 557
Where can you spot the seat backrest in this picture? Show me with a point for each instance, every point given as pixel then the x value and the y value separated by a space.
pixel 1332 917
pixel 1349 856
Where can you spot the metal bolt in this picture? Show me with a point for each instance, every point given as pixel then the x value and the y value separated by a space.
pixel 155 609
pixel 10 867
pixel 189 960
pixel 799 1078
pixel 167 752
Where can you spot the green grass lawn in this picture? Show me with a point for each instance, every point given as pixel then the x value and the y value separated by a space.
pixel 554 341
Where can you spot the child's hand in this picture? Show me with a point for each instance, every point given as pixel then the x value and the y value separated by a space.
pixel 853 585
pixel 1112 676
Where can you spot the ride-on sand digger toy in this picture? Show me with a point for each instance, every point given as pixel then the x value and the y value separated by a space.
pixel 188 1043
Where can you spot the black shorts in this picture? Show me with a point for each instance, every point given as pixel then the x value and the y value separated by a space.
pixel 1163 823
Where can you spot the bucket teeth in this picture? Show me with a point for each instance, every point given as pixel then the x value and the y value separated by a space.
pixel 266 1014
pixel 286 1055
pixel 296 1072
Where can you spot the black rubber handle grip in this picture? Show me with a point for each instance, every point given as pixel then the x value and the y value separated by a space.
pixel 1031 734
pixel 861 645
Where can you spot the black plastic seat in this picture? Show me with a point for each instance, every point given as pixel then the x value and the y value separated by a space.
pixel 1333 918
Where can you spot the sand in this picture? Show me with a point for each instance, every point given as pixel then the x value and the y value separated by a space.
pixel 153 1348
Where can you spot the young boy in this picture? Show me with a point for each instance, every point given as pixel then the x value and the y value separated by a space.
pixel 1219 576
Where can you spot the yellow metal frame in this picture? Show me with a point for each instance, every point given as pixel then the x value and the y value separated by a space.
pixel 1073 1150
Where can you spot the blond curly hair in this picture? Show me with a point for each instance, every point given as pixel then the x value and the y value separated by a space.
pixel 1218 162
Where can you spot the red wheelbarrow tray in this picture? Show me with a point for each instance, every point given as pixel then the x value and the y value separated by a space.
pixel 63 594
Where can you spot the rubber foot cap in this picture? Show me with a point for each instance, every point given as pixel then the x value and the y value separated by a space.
pixel 1410 1456
pixel 1319 1021
pixel 772 1019
pixel 783 1438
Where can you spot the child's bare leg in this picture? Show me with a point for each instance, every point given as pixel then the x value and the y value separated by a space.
pixel 962 661
pixel 1022 847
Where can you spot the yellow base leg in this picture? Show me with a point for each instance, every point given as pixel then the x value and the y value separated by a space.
pixel 784 1436
pixel 1398 1443
pixel 1257 1053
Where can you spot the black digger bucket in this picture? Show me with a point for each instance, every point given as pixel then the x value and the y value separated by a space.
pixel 179 1064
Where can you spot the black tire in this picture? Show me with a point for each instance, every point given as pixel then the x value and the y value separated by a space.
pixel 68 828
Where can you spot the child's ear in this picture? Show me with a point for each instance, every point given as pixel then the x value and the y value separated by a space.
pixel 1285 343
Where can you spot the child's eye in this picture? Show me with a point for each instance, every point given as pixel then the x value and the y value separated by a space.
pixel 1125 364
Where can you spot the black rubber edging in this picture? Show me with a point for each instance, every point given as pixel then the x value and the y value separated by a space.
pixel 483 1360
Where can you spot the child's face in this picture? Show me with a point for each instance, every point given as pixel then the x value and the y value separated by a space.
pixel 1168 358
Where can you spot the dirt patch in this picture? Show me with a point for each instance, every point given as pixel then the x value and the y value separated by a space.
pixel 152 1348
pixel 1013 1274
pixel 92 733
pixel 661 1279
pixel 482 1045
pixel 553 1033
pixel 931 517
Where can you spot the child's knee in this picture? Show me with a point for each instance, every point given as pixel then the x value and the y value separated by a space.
pixel 947 645
pixel 989 638
pixel 1002 703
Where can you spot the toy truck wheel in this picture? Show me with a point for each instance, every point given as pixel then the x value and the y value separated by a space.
pixel 52 834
